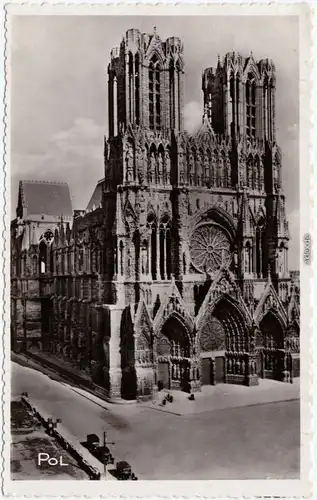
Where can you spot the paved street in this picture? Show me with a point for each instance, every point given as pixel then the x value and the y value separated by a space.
pixel 251 442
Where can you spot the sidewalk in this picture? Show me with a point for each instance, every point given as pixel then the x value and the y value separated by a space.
pixel 223 396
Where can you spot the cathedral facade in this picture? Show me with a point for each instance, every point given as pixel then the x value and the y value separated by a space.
pixel 176 275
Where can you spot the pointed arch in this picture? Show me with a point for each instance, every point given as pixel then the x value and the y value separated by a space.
pixel 165 240
pixel 272 331
pixel 137 87
pixel 250 95
pixel 42 257
pixel 234 333
pixel 155 93
pixel 152 163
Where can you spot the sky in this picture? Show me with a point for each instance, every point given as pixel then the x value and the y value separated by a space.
pixel 59 91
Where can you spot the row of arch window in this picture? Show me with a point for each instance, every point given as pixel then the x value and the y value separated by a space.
pixel 251 94
pixel 154 93
pixel 154 252
pixel 204 169
pixel 78 259
pixel 254 256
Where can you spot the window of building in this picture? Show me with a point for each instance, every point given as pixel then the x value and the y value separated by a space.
pixel 250 106
pixel 137 88
pixel 42 257
pixel 172 94
pixel 131 87
pixel 154 95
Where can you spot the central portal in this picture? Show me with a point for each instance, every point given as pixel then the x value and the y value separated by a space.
pixel 173 350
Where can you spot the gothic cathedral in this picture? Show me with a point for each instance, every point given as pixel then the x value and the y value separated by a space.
pixel 177 276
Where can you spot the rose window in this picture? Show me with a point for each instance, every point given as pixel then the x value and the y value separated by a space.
pixel 47 237
pixel 209 248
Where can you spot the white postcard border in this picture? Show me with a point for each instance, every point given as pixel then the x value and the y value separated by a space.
pixel 189 489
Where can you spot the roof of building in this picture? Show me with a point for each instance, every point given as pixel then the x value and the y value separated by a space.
pixel 96 198
pixel 46 197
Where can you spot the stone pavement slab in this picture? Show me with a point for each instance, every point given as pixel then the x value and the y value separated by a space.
pixel 223 396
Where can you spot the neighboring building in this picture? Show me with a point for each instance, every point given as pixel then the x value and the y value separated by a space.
pixel 177 272
pixel 41 206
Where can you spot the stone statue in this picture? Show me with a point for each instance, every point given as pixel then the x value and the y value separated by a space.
pixel 144 260
pixel 199 170
pixel 168 167
pixel 140 165
pixel 206 169
pixel 246 260
pixel 249 174
pixel 160 169
pixel 129 164
pixel 220 172
pixel 213 179
pixel 228 172
pixel 152 166
pixel 191 169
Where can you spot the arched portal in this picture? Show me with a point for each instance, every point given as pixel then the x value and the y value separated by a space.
pixel 224 344
pixel 272 347
pixel 173 355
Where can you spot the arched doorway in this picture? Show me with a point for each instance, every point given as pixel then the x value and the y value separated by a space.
pixel 223 339
pixel 173 355
pixel 272 347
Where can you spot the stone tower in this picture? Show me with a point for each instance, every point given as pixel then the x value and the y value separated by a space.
pixel 239 100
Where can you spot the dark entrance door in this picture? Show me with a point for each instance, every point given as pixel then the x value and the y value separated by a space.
pixel 206 371
pixel 219 370
pixel 163 375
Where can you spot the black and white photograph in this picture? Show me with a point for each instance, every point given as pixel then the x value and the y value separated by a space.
pixel 155 248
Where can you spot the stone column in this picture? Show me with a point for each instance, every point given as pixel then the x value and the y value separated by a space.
pixel 165 254
pixel 149 260
pixel 260 255
pixel 158 274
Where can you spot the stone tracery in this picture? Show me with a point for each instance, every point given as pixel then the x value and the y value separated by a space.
pixel 209 248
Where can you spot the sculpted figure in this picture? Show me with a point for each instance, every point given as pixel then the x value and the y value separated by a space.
pixel 152 166
pixel 129 164
pixel 191 168
pixel 144 260
pixel 140 165
pixel 168 167
pixel 220 172
pixel 160 169
pixel 199 170
pixel 213 173
pixel 206 169
pixel 228 172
